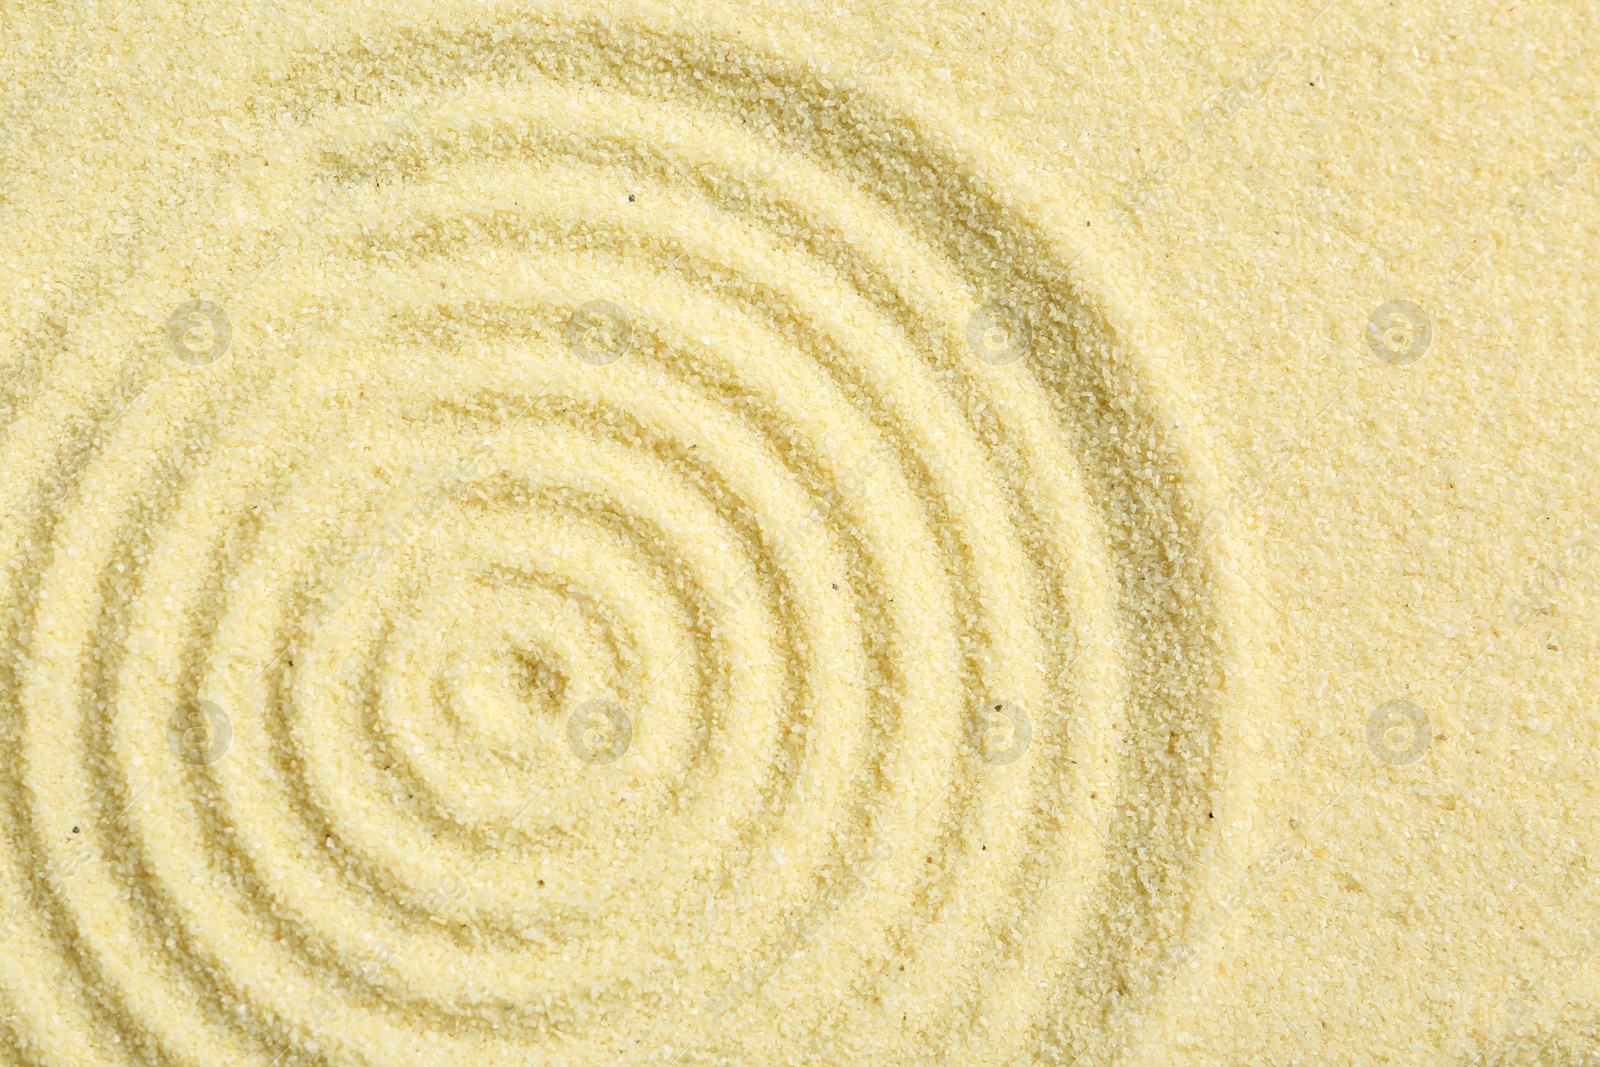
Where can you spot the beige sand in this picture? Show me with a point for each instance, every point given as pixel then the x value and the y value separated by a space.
pixel 724 534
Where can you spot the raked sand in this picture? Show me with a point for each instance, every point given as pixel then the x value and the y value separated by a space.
pixel 699 534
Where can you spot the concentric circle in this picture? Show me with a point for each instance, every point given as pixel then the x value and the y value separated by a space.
pixel 833 676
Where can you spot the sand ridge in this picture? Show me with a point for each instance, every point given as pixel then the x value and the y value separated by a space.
pixel 619 547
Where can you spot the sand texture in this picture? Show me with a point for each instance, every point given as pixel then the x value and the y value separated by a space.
pixel 750 534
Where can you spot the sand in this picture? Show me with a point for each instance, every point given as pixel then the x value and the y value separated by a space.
pixel 691 534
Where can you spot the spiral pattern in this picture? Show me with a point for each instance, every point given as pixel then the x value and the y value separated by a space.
pixel 622 549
